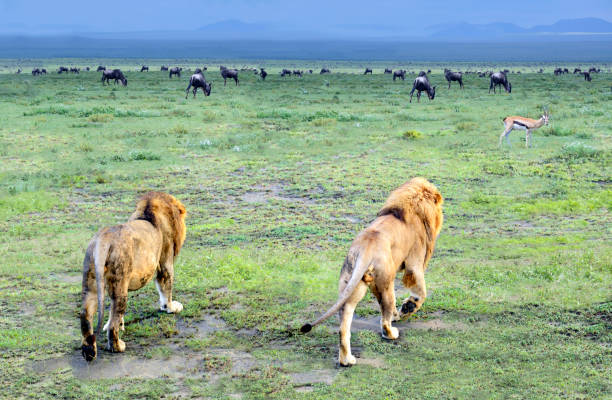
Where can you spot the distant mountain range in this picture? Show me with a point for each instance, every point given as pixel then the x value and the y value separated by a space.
pixel 576 27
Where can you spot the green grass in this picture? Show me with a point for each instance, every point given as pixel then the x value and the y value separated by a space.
pixel 278 177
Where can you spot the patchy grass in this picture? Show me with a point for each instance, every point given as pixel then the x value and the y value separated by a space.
pixel 278 177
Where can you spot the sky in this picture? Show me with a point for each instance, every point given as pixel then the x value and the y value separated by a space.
pixel 35 16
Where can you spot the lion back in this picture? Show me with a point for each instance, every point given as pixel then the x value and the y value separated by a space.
pixel 165 213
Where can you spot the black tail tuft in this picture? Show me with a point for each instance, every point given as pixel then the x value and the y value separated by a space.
pixel 305 328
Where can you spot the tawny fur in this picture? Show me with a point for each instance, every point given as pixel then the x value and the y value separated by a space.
pixel 402 236
pixel 126 257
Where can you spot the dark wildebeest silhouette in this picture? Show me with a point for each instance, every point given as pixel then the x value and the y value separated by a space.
pixel 144 68
pixel 35 72
pixel 587 76
pixel 399 74
pixel 422 73
pixel 577 70
pixel 74 70
pixel 368 71
pixel 62 69
pixel 594 70
pixel 228 73
pixel 87 69
pixel 453 76
pixel 175 71
pixel 100 68
pixel 197 80
pixel 285 72
pixel 421 84
pixel 163 68
pixel 388 71
pixel 310 71
pixel 325 71
pixel 499 78
pixel 263 74
pixel 541 70
pixel 565 71
pixel 298 72
pixel 115 74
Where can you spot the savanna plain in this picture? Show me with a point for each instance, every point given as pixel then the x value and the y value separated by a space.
pixel 278 176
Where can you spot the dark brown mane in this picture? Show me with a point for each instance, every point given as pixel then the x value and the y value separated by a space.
pixel 395 211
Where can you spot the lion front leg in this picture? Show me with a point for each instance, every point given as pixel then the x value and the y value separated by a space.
pixel 414 279
pixel 163 283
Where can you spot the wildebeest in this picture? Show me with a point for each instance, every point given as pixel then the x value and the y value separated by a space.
pixel 399 74
pixel 144 68
pixel 595 70
pixel 297 72
pixel 453 76
pixel 285 72
pixel 197 80
pixel 368 71
pixel 62 69
pixel 587 76
pixel 87 69
pixel 577 70
pixel 35 72
pixel 499 78
pixel 74 70
pixel 388 71
pixel 421 84
pixel 43 71
pixel 263 74
pixel 175 71
pixel 228 73
pixel 115 74
pixel 163 68
pixel 310 71
pixel 325 71
pixel 423 73
pixel 100 68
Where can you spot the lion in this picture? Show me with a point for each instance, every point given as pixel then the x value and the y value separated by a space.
pixel 402 237
pixel 126 257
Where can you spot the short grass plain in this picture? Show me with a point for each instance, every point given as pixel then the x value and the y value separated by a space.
pixel 278 177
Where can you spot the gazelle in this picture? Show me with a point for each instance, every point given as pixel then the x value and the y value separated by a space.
pixel 527 124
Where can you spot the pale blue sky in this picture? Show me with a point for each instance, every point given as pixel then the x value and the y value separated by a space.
pixel 411 16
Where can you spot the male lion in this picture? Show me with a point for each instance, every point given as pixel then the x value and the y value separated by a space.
pixel 125 257
pixel 401 237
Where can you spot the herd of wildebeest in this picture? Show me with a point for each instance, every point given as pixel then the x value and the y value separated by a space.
pixel 421 82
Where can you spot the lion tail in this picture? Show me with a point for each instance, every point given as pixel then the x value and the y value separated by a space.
pixel 361 267
pixel 100 256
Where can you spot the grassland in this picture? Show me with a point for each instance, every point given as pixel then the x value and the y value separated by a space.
pixel 278 177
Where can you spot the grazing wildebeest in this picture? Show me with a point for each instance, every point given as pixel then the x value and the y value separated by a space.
pixel 565 71
pixel 285 72
pixel 228 73
pixel 175 71
pixel 541 71
pixel 577 70
pixel 310 71
pixel 388 71
pixel 87 69
pixel 368 71
pixel 453 76
pixel 74 70
pixel 115 74
pixel 163 68
pixel 144 68
pixel 100 68
pixel 399 74
pixel 263 74
pixel 62 69
pixel 587 76
pixel 499 78
pixel 298 72
pixel 325 71
pixel 35 72
pixel 422 73
pixel 421 83
pixel 43 71
pixel 595 70
pixel 197 80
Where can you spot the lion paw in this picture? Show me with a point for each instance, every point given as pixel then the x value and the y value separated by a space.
pixel 174 307
pixel 391 334
pixel 409 306
pixel 118 348
pixel 347 361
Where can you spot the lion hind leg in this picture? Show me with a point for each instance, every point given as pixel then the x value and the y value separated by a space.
pixel 345 358
pixel 118 308
pixel 90 304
